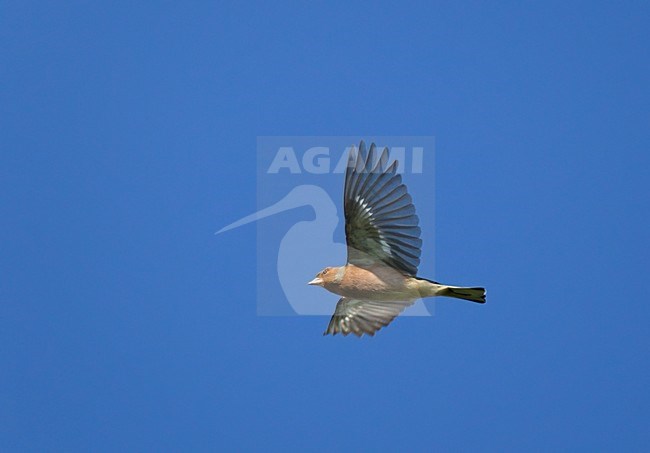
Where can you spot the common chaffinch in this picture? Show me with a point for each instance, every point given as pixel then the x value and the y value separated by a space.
pixel 383 241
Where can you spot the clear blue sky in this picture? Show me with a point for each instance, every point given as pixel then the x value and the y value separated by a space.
pixel 128 136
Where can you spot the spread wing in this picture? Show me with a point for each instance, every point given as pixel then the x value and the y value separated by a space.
pixel 363 316
pixel 380 220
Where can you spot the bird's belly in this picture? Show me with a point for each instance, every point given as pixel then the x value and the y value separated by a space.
pixel 391 295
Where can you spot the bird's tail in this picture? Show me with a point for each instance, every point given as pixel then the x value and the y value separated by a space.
pixel 430 288
pixel 475 294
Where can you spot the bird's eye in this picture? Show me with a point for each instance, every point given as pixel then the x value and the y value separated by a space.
pixel 324 271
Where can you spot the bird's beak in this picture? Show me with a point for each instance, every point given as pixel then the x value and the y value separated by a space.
pixel 316 281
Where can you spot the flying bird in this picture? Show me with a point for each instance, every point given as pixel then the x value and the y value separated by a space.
pixel 382 234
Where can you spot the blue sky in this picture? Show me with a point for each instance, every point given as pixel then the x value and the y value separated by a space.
pixel 128 137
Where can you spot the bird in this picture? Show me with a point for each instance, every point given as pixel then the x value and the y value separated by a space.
pixel 379 279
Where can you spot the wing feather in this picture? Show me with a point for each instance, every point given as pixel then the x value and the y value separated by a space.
pixel 380 219
pixel 361 317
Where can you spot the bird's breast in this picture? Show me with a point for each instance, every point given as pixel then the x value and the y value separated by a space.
pixel 378 282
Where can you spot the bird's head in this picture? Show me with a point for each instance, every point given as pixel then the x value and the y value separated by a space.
pixel 324 277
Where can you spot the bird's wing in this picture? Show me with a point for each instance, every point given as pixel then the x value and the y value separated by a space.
pixel 363 316
pixel 380 220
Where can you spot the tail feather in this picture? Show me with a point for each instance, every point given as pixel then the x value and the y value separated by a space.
pixel 475 294
pixel 429 288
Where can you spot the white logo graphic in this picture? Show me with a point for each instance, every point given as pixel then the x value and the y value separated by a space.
pixel 306 248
